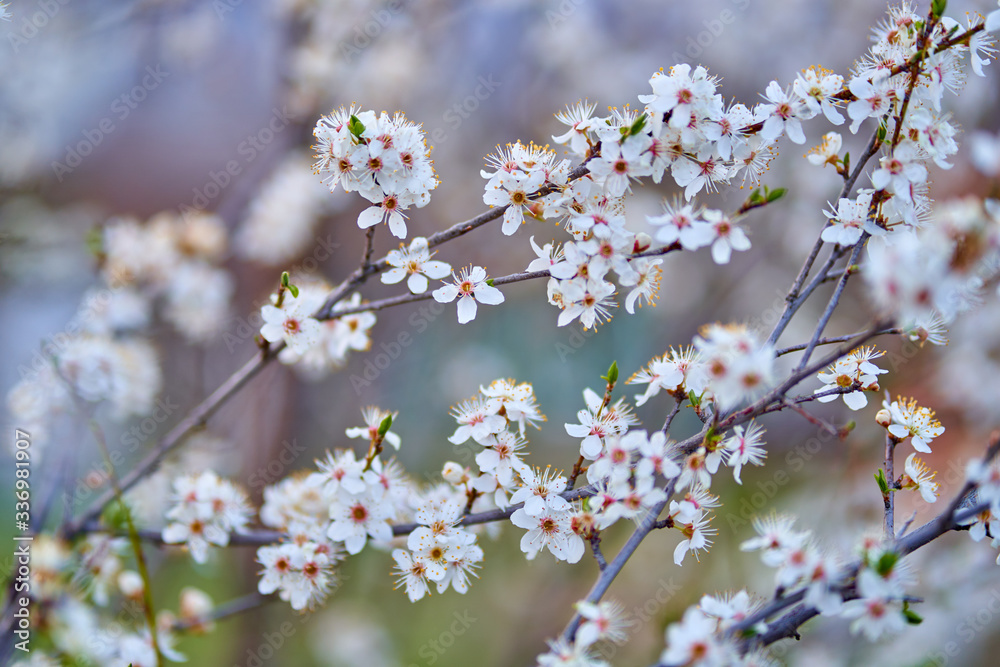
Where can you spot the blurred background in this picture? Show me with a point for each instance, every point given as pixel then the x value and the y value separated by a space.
pixel 164 107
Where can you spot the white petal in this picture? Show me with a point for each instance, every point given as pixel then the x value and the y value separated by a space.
pixel 489 295
pixel 370 217
pixel 466 309
pixel 417 283
pixel 856 400
pixel 445 293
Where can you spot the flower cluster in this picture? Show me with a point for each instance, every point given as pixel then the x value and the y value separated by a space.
pixel 693 228
pixel 678 372
pixel 726 365
pixel 986 478
pixel 518 173
pixel 904 419
pixel 299 569
pixel 206 511
pixel 315 348
pixel 385 160
pixel 602 622
pixel 99 357
pixel 880 608
pixel 798 561
pixel 77 588
pixel 738 365
pixel 281 219
pixel 854 370
pixel 938 269
pixel 698 638
pixel 704 635
pixel 438 550
pixel 120 371
pixel 176 259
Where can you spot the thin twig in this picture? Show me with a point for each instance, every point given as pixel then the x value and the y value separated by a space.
pixel 608 573
pixel 889 495
pixel 229 609
pixel 948 520
pixel 812 419
pixel 149 611
pixel 795 299
pixel 833 303
pixel 264 536
pixel 595 546
pixel 678 403
pixel 829 341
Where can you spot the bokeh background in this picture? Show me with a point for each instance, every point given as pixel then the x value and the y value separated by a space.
pixel 184 86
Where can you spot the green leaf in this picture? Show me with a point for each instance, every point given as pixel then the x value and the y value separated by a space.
pixel 637 126
pixel 882 132
pixel 938 7
pixel 882 484
pixel 284 278
pixel 612 375
pixel 912 617
pixel 776 194
pixel 755 197
pixel 355 126
pixel 294 290
pixel 95 241
pixel 886 562
pixel 693 398
pixel 384 427
pixel 489 281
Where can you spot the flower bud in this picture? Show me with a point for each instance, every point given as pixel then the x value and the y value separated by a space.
pixel 583 523
pixel 883 418
pixel 453 473
pixel 130 584
pixel 194 604
pixel 642 242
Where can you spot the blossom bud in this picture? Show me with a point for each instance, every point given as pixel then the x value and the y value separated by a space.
pixel 453 473
pixel 642 242
pixel 883 418
pixel 130 584
pixel 583 523
pixel 194 604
